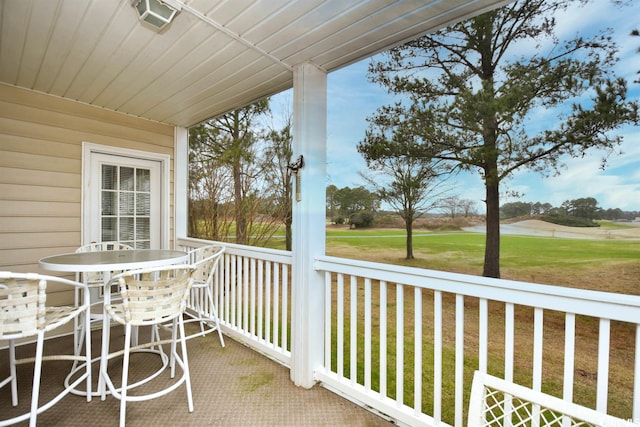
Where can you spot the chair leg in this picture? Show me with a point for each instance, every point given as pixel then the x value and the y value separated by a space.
pixel 198 307
pixel 37 370
pixel 125 374
pixel 214 315
pixel 87 350
pixel 103 374
pixel 77 325
pixel 12 372
pixel 174 334
pixel 78 336
pixel 134 335
pixel 185 363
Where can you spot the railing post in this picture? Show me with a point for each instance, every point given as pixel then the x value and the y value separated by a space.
pixel 181 184
pixel 309 141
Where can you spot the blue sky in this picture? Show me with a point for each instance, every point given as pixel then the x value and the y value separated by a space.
pixel 351 98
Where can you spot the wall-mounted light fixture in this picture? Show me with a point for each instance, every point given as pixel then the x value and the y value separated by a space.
pixel 157 13
pixel 295 167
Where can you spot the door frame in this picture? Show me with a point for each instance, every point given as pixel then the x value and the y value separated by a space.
pixel 86 211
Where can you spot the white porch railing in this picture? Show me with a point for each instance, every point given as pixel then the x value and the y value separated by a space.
pixel 406 341
pixel 461 323
pixel 253 297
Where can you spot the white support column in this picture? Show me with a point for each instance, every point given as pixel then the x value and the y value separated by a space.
pixel 310 141
pixel 180 183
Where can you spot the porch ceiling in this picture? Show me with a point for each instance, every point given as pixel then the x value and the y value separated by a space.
pixel 217 54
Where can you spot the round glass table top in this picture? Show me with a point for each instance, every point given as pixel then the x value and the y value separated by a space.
pixel 113 260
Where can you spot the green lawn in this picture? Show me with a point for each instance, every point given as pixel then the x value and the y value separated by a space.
pixel 569 262
pixel 601 264
pixel 516 250
pixel 615 225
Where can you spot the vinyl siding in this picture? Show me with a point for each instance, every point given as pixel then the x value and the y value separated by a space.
pixel 41 140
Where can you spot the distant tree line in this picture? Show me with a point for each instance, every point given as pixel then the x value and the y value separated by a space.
pixel 359 206
pixel 585 208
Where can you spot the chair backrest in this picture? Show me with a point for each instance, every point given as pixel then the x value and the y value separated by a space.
pixel 205 261
pixel 22 304
pixel 104 246
pixel 154 295
pixel 496 402
pixel 97 277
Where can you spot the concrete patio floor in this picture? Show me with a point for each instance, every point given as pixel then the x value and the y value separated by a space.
pixel 232 386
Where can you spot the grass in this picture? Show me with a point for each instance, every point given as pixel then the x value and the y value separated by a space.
pixel 566 262
pixel 615 225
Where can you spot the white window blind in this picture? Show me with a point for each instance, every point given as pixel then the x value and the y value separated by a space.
pixel 126 205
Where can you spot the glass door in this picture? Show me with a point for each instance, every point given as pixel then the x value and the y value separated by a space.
pixel 125 206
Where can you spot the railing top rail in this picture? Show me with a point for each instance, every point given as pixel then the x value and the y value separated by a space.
pixel 275 255
pixel 579 301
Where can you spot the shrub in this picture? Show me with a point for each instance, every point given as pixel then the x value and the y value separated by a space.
pixel 449 227
pixel 361 219
pixel 388 221
pixel 569 221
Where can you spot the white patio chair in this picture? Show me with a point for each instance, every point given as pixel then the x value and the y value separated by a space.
pixel 496 402
pixel 24 314
pixel 95 282
pixel 205 261
pixel 150 297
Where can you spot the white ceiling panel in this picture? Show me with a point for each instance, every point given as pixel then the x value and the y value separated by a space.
pixel 59 45
pixel 217 55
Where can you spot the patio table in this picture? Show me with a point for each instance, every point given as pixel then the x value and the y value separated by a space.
pixel 106 262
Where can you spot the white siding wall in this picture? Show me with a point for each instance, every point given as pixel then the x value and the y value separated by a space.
pixel 41 169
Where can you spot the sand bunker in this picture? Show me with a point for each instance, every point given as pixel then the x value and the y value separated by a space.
pixel 534 227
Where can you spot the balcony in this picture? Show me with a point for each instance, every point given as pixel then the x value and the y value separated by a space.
pixel 401 342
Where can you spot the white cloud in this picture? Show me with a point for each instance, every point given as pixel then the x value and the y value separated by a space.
pixel 618 186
